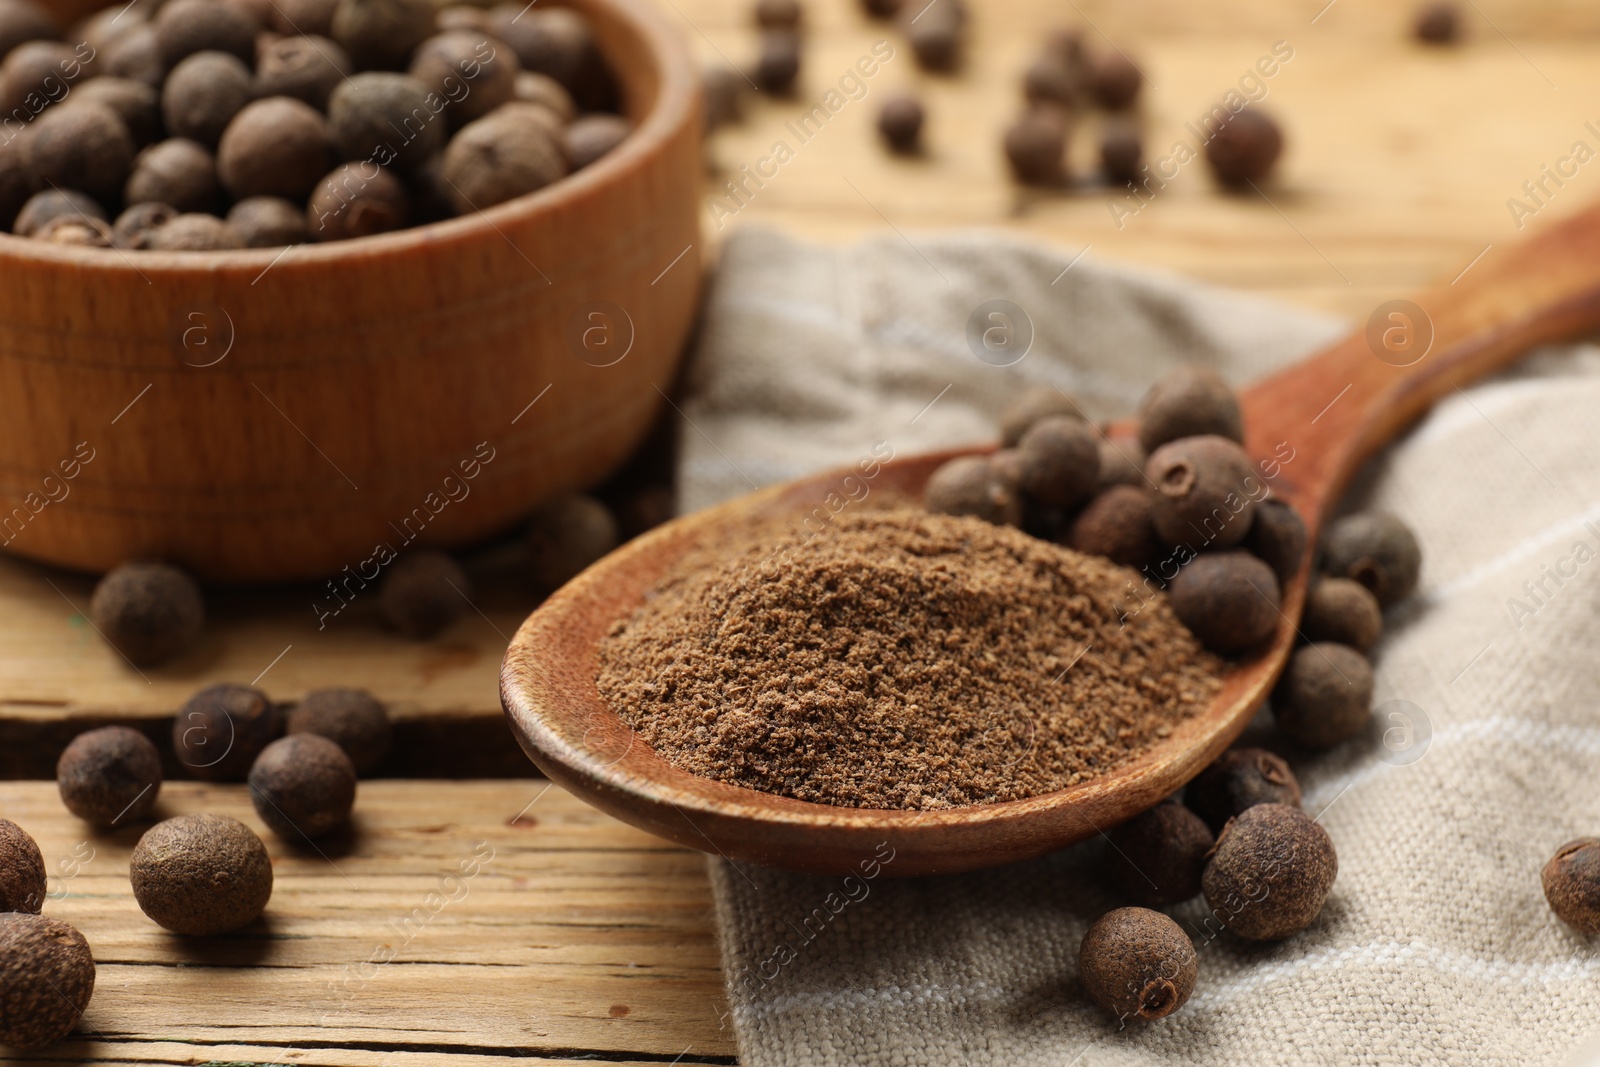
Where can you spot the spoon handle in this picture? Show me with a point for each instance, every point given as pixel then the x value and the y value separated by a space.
pixel 1334 410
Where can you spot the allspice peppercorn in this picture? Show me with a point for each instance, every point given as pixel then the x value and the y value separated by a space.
pixel 936 33
pixel 555 41
pixel 184 27
pixel 1121 462
pixel 1206 489
pixel 1377 550
pixel 22 877
pixel 1037 403
pixel 381 34
pixel 1156 857
pixel 16 183
pixel 1270 872
pixel 591 137
pixel 386 119
pixel 306 68
pixel 268 222
pixel 972 485
pixel 109 776
pixel 148 610
pixel 1324 696
pixel 51 204
pixel 83 146
pixel 1572 884
pixel 449 61
pixel 724 88
pixel 1117 525
pixel 1344 611
pixel 531 87
pixel 1278 537
pixel 137 221
pixel 219 731
pixel 1052 79
pixel 203 93
pixel 1137 964
pixel 461 17
pixel 135 103
pixel 35 74
pixel 423 593
pixel 1117 81
pixel 137 56
pixel 1058 461
pixel 500 157
pixel 1244 148
pixel 1229 600
pixel 193 232
pixel 352 718
pixel 1121 152
pixel 356 200
pixel 900 123
pixel 1036 147
pixel 303 785
pixel 22 21
pixel 778 63
pixel 1190 401
pixel 274 147
pixel 1438 23
pixel 177 172
pixel 47 975
pixel 201 875
pixel 81 231
pixel 565 536
pixel 311 17
pixel 778 14
pixel 1238 779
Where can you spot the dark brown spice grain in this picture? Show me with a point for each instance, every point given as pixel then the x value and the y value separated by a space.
pixel 201 874
pixel 1238 779
pixel 109 776
pixel 52 204
pixel 902 660
pixel 303 786
pixel 46 980
pixel 1270 872
pixel 22 877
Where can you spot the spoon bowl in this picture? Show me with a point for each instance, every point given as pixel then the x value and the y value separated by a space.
pixel 1309 426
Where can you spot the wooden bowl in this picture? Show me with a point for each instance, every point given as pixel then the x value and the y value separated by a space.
pixel 1311 426
pixel 268 415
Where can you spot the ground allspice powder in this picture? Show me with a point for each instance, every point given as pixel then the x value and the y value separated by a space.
pixel 903 660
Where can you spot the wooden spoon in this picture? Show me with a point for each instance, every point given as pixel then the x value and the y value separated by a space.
pixel 1329 413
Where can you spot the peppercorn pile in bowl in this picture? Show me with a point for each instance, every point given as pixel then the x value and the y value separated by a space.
pixel 198 125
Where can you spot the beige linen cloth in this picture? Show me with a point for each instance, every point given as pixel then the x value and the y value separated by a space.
pixel 1436 946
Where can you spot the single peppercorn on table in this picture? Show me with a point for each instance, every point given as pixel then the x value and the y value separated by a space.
pixel 457 923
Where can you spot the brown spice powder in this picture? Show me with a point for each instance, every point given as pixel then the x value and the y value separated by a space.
pixel 903 660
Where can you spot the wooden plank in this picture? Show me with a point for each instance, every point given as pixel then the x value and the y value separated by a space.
pixel 577 937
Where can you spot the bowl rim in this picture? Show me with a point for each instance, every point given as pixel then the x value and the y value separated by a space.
pixel 675 103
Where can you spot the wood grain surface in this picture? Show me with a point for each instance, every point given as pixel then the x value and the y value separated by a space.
pixel 1400 158
pixel 516 921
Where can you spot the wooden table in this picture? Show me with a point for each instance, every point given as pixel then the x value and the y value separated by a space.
pixel 583 938
pixel 515 922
